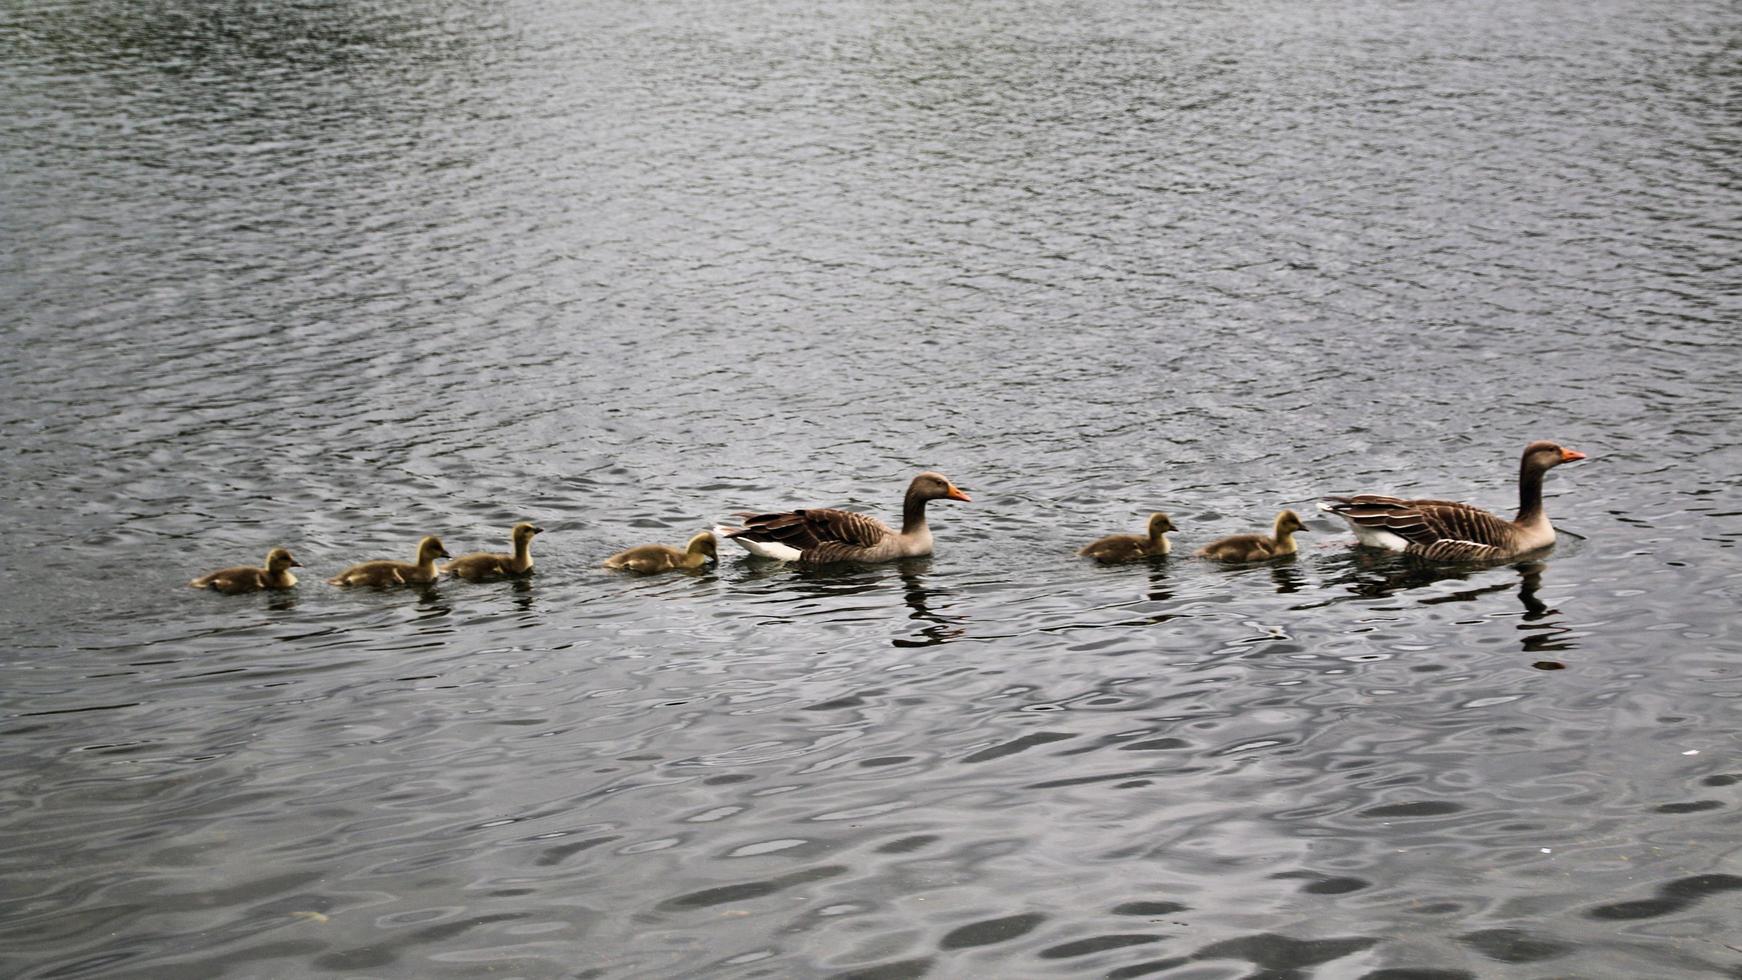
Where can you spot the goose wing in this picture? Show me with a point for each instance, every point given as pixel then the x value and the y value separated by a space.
pixel 1449 550
pixel 838 532
pixel 1440 529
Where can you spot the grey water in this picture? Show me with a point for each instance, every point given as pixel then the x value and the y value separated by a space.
pixel 332 275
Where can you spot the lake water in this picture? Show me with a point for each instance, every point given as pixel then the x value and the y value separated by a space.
pixel 332 275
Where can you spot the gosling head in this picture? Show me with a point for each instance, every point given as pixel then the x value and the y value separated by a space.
pixel 1543 455
pixel 1159 524
pixel 703 544
pixel 430 548
pixel 1288 522
pixel 935 486
pixel 525 531
pixel 279 559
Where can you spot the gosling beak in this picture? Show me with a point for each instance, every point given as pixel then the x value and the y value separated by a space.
pixel 956 494
pixel 538 530
pixel 1571 455
pixel 295 564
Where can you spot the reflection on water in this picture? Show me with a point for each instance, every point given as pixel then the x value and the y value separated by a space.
pixel 1529 584
pixel 336 274
pixel 1542 635
pixel 927 605
pixel 1380 575
pixel 1286 575
pixel 1158 590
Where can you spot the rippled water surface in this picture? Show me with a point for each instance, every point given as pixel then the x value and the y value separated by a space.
pixel 332 275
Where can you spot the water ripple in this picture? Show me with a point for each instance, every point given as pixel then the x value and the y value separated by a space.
pixel 336 276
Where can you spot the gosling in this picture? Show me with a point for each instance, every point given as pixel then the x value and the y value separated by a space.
pixel 247 578
pixel 1257 547
pixel 421 572
pixel 485 566
pixel 651 558
pixel 1130 547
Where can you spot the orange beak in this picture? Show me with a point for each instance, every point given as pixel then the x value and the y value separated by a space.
pixel 1571 455
pixel 956 494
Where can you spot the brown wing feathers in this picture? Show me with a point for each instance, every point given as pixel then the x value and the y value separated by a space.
pixel 814 529
pixel 1461 523
pixel 1401 517
pixel 789 529
pixel 1444 530
pixel 1457 551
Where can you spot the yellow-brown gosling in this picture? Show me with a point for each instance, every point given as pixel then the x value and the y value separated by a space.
pixel 421 572
pixel 650 558
pixel 1257 547
pixel 484 565
pixel 1130 547
pixel 247 578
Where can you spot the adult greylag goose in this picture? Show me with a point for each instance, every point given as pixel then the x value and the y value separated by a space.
pixel 650 558
pixel 1257 547
pixel 819 535
pixel 483 565
pixel 1444 530
pixel 247 578
pixel 1130 547
pixel 420 572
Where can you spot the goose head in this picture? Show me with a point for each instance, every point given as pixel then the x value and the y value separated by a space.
pixel 1159 524
pixel 279 559
pixel 523 533
pixel 935 486
pixel 429 549
pixel 1288 522
pixel 1543 455
pixel 703 544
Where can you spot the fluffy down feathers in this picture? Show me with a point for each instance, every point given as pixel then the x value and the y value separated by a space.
pixel 247 578
pixel 649 559
pixel 484 566
pixel 385 573
pixel 1257 547
pixel 1131 547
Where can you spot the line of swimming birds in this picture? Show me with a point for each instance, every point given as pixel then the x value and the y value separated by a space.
pixel 1437 530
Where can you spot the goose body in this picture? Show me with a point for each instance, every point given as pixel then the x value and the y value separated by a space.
pixel 483 566
pixel 1131 547
pixel 247 578
pixel 820 535
pixel 1445 530
pixel 381 573
pixel 651 558
pixel 1257 547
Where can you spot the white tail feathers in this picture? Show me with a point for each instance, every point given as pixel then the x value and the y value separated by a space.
pixel 761 549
